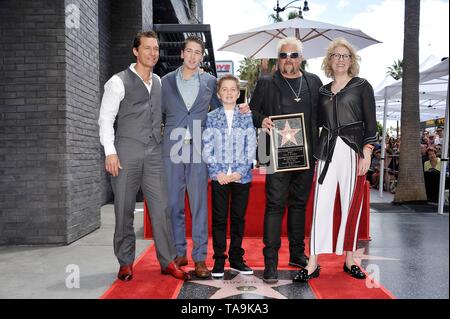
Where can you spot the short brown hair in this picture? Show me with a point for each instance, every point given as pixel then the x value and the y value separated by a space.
pixel 144 34
pixel 228 77
pixel 341 42
pixel 193 38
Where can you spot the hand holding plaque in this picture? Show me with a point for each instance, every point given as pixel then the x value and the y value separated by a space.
pixel 289 148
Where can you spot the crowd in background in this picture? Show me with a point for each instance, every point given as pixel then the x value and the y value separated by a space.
pixel 431 150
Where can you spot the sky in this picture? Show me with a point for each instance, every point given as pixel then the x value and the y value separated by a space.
pixel 382 20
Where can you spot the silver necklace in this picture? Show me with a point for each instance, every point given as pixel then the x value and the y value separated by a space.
pixel 297 95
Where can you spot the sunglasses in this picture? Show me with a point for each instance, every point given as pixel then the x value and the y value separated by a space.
pixel 285 55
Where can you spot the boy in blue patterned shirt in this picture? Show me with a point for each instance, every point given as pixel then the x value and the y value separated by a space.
pixel 229 151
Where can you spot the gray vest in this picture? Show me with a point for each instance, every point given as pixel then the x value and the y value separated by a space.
pixel 139 115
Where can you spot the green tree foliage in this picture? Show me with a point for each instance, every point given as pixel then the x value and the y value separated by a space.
pixel 396 69
pixel 249 71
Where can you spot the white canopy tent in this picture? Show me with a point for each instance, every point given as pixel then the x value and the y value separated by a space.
pixel 433 89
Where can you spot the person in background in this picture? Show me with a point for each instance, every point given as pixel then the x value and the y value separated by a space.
pixel 374 171
pixel 439 138
pixel 434 162
pixel 432 169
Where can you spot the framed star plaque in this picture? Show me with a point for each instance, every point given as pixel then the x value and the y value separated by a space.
pixel 289 148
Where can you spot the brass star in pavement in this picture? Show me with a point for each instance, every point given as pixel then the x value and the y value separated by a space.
pixel 243 284
pixel 288 134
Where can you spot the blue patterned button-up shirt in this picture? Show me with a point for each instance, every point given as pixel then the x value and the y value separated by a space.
pixel 223 149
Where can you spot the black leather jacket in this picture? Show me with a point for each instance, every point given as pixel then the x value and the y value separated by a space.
pixel 349 114
pixel 266 100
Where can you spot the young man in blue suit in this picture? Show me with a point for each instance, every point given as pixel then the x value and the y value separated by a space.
pixel 187 96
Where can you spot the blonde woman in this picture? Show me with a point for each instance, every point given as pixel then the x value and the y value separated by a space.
pixel 347 118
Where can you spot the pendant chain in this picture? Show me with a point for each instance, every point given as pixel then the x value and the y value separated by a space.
pixel 297 95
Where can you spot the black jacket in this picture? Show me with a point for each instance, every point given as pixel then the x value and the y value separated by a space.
pixel 266 100
pixel 349 114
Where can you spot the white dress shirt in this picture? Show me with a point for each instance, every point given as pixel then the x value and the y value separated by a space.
pixel 113 95
pixel 229 115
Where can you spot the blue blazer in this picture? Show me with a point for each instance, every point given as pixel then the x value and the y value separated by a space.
pixel 175 112
pixel 237 149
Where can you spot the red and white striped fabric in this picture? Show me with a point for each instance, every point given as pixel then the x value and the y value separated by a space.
pixel 342 174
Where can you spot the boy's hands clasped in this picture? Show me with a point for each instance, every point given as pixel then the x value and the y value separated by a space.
pixel 224 179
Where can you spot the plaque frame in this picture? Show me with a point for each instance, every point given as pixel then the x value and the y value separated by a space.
pixel 302 148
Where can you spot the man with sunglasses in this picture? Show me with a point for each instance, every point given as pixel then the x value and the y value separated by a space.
pixel 289 90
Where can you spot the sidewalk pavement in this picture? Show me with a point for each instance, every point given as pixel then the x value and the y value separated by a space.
pixel 40 271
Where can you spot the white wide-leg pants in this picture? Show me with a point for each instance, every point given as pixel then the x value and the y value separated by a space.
pixel 342 173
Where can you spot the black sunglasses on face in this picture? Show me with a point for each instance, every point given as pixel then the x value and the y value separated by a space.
pixel 285 55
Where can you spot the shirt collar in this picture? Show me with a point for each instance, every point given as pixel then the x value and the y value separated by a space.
pixel 132 68
pixel 193 77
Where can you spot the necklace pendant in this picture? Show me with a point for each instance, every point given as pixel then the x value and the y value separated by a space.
pixel 297 99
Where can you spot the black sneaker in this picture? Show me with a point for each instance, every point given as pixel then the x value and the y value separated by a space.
pixel 241 267
pixel 300 262
pixel 270 275
pixel 218 270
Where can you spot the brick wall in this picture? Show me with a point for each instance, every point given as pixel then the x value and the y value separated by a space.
pixel 104 29
pixel 32 123
pixel 82 103
pixel 49 98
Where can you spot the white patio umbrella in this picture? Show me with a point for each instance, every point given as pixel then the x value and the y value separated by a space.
pixel 262 42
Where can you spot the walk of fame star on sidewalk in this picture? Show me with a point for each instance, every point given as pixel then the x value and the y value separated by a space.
pixel 243 284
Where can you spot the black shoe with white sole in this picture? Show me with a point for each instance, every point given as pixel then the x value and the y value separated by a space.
pixel 240 267
pixel 219 268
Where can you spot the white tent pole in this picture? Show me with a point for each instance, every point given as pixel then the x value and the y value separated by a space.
pixel 383 148
pixel 444 163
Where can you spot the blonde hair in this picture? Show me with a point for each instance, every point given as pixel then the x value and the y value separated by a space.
pixel 290 40
pixel 228 77
pixel 353 70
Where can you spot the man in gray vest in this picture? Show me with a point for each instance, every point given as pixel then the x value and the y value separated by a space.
pixel 134 155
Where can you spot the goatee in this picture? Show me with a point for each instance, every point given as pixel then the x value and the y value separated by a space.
pixel 288 70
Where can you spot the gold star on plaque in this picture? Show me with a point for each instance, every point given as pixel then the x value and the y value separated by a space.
pixel 288 134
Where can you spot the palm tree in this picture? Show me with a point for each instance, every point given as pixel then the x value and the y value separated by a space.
pixel 396 69
pixel 274 18
pixel 411 185
pixel 249 70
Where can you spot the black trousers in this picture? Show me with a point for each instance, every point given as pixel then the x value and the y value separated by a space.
pixel 237 205
pixel 291 188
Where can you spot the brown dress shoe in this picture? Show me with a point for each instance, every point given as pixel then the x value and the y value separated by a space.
pixel 172 269
pixel 201 270
pixel 181 261
pixel 125 273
